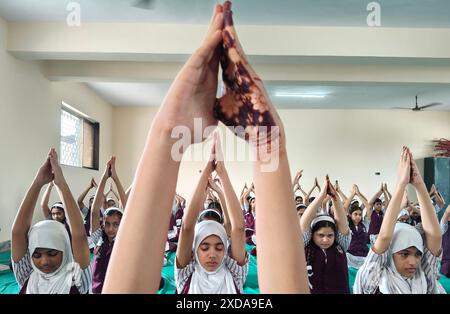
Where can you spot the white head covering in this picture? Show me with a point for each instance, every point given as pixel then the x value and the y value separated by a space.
pixel 50 234
pixel 392 282
pixel 403 212
pixel 219 281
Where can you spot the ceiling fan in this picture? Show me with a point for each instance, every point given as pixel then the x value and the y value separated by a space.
pixel 144 4
pixel 417 108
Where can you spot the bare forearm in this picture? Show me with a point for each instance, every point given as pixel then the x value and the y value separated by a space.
pixel 311 212
pixel 340 216
pixel 377 195
pixel 72 211
pixel 144 223
pixel 121 191
pixel 24 217
pixel 343 197
pixel 235 213
pixel 348 201
pixel 98 201
pixel 191 214
pixel 22 223
pixel 430 222
pixel 364 200
pixel 80 246
pixel 82 196
pixel 390 218
pixel 45 199
pixel 281 263
pixel 226 217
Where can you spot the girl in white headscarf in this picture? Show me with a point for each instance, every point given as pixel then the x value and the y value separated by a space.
pixel 400 261
pixel 205 261
pixel 44 260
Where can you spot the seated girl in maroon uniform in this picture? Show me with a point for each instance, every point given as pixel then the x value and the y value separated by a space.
pixel 445 223
pixel 326 241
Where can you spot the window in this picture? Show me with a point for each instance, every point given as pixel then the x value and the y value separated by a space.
pixel 79 139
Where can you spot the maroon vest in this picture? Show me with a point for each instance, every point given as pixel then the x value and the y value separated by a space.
pixel 445 264
pixel 329 272
pixel 358 245
pixel 173 223
pixel 250 223
pixel 23 290
pixel 375 222
pixel 102 255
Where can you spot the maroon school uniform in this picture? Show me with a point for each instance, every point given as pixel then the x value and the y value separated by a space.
pixel 375 222
pixel 250 224
pixel 329 272
pixel 358 245
pixel 102 255
pixel 173 223
pixel 250 227
pixel 445 264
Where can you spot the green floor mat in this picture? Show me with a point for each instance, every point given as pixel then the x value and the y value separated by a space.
pixel 8 284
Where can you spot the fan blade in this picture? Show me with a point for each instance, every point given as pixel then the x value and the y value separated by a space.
pixel 144 4
pixel 430 105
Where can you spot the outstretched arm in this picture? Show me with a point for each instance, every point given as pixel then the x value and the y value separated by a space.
pixel 390 217
pixel 24 217
pixel 226 218
pixel 122 195
pixel 83 194
pixel 80 247
pixel 344 198
pixel 238 252
pixel 98 199
pixel 340 215
pixel 350 198
pixel 190 216
pixel 143 229
pixel 430 222
pixel 281 263
pixel 311 211
pixel 45 199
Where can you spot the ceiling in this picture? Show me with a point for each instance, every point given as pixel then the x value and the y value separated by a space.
pixel 343 96
pixel 394 13
pixel 379 94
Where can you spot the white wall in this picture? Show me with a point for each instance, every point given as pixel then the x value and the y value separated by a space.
pixel 30 126
pixel 349 145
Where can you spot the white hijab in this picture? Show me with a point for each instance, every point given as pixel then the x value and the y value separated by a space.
pixel 50 234
pixel 219 281
pixel 391 281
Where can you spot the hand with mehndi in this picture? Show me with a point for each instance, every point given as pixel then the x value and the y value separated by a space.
pixel 193 92
pixel 331 191
pixel 246 102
